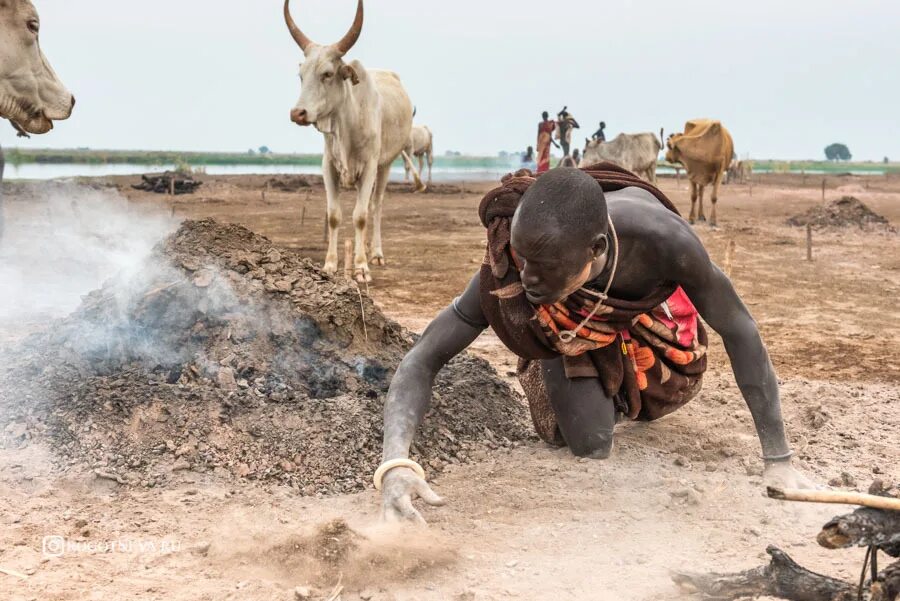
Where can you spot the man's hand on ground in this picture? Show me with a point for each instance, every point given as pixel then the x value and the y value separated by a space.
pixel 400 486
pixel 782 474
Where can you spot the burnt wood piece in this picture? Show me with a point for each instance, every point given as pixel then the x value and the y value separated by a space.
pixel 783 578
pixel 162 184
pixel 863 528
pixel 887 585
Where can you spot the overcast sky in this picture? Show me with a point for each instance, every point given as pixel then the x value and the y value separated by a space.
pixel 787 77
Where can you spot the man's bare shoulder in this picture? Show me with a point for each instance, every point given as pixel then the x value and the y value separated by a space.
pixel 636 211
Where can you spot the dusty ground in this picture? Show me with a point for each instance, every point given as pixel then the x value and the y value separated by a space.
pixel 531 522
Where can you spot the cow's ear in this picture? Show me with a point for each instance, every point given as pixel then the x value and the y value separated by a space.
pixel 348 72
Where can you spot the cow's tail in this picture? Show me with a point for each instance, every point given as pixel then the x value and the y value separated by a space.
pixel 662 139
pixel 415 110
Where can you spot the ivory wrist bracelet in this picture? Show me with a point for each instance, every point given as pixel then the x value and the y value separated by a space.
pixel 387 466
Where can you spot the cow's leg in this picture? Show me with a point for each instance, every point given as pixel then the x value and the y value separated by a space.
pixel 430 164
pixel 715 198
pixel 693 216
pixel 420 187
pixel 701 216
pixel 333 210
pixel 361 220
pixel 381 181
pixel 651 171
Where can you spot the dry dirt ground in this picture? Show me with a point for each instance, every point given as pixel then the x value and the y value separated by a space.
pixel 529 522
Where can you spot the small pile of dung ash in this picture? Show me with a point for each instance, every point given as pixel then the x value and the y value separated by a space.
pixel 845 212
pixel 228 355
pixel 409 188
pixel 291 183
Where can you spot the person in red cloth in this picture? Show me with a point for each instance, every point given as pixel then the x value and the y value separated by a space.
pixel 597 283
pixel 545 138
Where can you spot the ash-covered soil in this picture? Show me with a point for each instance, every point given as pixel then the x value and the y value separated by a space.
pixel 847 211
pixel 227 354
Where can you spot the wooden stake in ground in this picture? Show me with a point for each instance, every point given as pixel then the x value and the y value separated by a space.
pixel 348 258
pixel 823 189
pixel 808 242
pixel 728 263
pixel 172 186
pixel 303 216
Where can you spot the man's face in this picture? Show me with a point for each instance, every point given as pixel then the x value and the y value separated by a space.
pixel 550 268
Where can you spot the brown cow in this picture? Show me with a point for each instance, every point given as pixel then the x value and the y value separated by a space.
pixel 705 149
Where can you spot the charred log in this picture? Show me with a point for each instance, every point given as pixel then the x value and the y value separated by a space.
pixel 783 578
pixel 168 183
pixel 887 585
pixel 864 527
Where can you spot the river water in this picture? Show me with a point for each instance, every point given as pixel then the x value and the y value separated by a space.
pixel 35 171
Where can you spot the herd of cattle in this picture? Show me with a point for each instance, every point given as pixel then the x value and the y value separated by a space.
pixel 366 119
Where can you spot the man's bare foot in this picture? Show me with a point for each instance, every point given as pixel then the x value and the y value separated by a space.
pixel 782 474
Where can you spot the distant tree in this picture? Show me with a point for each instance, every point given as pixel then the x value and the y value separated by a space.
pixel 251 152
pixel 886 160
pixel 264 150
pixel 837 152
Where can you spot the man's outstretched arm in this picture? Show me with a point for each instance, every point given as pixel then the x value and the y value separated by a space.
pixel 718 302
pixel 409 397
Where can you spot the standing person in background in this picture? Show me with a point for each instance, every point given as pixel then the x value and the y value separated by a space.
pixel 544 140
pixel 565 124
pixel 599 135
pixel 528 159
pixel 571 161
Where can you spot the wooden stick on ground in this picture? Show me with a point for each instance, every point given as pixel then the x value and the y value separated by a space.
pixel 809 242
pixel 13 573
pixel 835 497
pixel 728 263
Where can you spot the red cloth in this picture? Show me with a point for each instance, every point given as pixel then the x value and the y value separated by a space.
pixel 545 137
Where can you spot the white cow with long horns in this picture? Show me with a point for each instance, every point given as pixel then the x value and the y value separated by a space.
pixel 365 116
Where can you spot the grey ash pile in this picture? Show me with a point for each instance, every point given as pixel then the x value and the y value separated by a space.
pixel 846 212
pixel 230 356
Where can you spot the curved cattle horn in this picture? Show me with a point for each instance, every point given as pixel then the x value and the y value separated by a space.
pixel 299 37
pixel 349 40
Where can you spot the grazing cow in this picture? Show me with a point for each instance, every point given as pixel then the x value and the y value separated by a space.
pixel 739 172
pixel 31 95
pixel 421 146
pixel 705 149
pixel 365 116
pixel 636 152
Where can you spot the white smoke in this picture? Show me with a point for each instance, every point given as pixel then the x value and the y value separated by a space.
pixel 63 240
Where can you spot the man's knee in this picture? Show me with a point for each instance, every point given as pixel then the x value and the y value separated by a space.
pixel 597 445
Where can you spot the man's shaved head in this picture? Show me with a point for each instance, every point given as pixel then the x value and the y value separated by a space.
pixel 567 204
pixel 558 230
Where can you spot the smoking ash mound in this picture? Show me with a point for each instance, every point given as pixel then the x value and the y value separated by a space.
pixel 228 355
pixel 845 212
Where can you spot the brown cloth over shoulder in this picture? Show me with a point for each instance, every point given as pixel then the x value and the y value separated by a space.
pixel 649 354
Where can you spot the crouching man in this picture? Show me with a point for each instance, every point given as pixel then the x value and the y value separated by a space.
pixel 596 282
